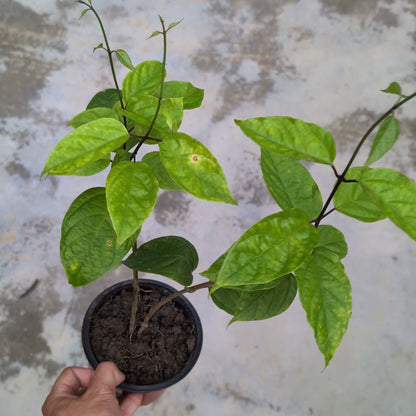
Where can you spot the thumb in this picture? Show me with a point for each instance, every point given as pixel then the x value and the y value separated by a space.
pixel 106 378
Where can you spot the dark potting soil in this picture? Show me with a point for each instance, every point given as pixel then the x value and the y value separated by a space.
pixel 157 354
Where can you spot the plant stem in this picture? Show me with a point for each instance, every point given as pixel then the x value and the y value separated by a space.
pixel 167 299
pixel 107 48
pixel 341 177
pixel 135 299
pixel 159 103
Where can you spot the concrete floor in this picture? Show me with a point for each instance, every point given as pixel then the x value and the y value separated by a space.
pixel 320 60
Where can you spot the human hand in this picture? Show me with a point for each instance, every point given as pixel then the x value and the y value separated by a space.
pixel 85 392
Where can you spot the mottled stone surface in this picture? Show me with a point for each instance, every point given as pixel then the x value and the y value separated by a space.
pixel 320 60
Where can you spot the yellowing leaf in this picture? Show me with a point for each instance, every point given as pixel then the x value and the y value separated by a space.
pixel 192 166
pixel 131 192
pixel 88 241
pixel 290 137
pixel 273 247
pixel 86 144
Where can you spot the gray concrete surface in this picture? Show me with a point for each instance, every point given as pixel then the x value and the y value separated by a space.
pixel 321 60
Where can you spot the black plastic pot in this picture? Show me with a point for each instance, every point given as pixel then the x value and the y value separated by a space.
pixel 165 290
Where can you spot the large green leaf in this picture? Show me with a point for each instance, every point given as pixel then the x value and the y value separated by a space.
pixel 395 194
pixel 86 144
pixel 192 96
pixel 90 169
pixel 162 175
pixel 226 298
pixel 107 98
pixel 290 183
pixel 352 201
pixel 172 256
pixel 88 241
pixel 141 111
pixel 254 305
pixel 290 137
pixel 212 272
pixel 264 304
pixel 331 239
pixel 131 192
pixel 325 294
pixel 91 115
pixel 192 166
pixel 143 80
pixel 384 140
pixel 273 247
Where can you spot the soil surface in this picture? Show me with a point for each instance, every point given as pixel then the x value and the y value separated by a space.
pixel 159 353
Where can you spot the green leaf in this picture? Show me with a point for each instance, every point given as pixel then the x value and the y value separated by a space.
pixel 395 194
pixel 172 25
pixel 385 139
pixel 141 110
pixel 86 144
pixel 226 298
pixel 121 155
pixel 155 33
pixel 212 272
pixel 100 46
pixel 332 240
pixel 192 166
pixel 257 304
pixel 192 96
pixel 351 200
pixel 91 115
pixel 124 58
pixel 90 169
pixel 264 304
pixel 325 294
pixel 88 241
pixel 290 183
pixel 273 247
pixel 159 170
pixel 172 256
pixel 131 192
pixel 290 137
pixel 84 12
pixel 106 98
pixel 393 88
pixel 143 79
pixel 171 110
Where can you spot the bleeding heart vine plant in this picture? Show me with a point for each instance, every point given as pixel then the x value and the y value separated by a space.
pixel 285 253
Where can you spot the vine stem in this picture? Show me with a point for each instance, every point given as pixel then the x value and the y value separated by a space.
pixel 159 102
pixel 135 299
pixel 108 50
pixel 341 177
pixel 167 299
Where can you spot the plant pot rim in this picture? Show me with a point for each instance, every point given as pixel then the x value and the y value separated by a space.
pixel 183 302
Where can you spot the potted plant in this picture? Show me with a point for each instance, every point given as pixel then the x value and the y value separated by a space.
pixel 103 223
pixel 286 253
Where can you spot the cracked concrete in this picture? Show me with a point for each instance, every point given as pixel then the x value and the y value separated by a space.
pixel 320 60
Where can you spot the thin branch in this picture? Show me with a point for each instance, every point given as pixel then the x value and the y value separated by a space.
pixel 159 103
pixel 107 48
pixel 135 299
pixel 167 299
pixel 341 177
